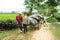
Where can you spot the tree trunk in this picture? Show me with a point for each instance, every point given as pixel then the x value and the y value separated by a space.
pixel 31 9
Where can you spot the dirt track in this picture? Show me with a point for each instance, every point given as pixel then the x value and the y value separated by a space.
pixel 43 34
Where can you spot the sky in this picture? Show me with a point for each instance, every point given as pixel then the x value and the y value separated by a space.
pixel 12 5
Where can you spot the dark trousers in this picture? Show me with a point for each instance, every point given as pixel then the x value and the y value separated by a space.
pixel 25 28
pixel 20 26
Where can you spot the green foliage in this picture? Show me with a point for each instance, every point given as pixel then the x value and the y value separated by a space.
pixel 57 16
pixel 48 8
pixel 7 21
pixel 4 17
pixel 58 2
pixel 8 25
pixel 32 4
pixel 52 3
pixel 51 20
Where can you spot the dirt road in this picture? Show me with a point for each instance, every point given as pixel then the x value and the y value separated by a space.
pixel 43 34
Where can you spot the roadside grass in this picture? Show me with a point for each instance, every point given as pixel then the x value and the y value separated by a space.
pixel 56 30
pixel 6 33
pixel 15 33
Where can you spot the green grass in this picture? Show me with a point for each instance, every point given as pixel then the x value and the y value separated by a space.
pixel 56 31
pixel 6 33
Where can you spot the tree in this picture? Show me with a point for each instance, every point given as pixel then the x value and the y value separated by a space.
pixel 58 2
pixel 52 4
pixel 29 5
pixel 32 4
pixel 48 8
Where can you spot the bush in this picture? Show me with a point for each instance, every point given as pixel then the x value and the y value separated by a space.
pixel 1 25
pixel 7 25
pixel 57 16
pixel 51 20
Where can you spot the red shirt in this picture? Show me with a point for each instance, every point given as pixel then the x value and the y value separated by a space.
pixel 19 19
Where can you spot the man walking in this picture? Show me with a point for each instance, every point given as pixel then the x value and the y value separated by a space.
pixel 25 21
pixel 19 20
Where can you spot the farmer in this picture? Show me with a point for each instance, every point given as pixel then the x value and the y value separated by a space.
pixel 19 20
pixel 26 21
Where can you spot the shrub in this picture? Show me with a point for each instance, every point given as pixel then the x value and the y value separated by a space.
pixel 51 20
pixel 57 16
pixel 7 25
pixel 1 25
